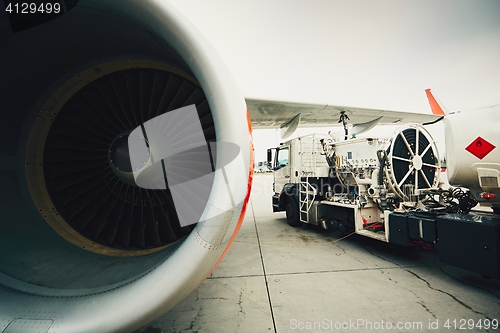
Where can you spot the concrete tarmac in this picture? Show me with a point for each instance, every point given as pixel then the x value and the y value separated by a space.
pixel 276 278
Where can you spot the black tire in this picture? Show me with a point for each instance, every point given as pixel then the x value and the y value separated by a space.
pixel 292 212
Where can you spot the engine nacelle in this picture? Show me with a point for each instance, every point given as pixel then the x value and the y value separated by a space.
pixel 84 246
pixel 409 160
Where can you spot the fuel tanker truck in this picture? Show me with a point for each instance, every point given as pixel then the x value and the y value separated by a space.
pixel 393 189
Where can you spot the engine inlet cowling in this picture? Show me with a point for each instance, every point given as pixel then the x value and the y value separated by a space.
pixel 86 163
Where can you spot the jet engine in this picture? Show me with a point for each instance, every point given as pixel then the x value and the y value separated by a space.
pixel 125 154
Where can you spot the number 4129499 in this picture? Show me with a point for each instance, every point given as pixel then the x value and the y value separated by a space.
pixel 32 8
pixel 464 324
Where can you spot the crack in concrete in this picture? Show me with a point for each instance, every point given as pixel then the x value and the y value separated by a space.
pixel 150 329
pixel 416 295
pixel 204 298
pixel 428 284
pixel 240 301
pixel 422 304
pixel 380 257
pixel 427 309
pixel 383 273
pixel 469 284
pixel 398 265
pixel 350 255
pixel 191 325
pixel 446 293
pixel 340 247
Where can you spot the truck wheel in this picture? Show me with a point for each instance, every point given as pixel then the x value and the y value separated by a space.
pixel 292 212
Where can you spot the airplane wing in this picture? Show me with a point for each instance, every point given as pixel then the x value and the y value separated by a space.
pixel 266 114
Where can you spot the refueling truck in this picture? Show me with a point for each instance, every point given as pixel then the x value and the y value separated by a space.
pixel 391 188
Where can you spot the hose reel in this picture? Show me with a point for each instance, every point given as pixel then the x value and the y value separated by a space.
pixel 412 162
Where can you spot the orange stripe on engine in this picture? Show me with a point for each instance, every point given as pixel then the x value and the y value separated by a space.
pixel 249 122
pixel 245 202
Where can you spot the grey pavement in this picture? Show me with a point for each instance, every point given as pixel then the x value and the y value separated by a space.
pixel 276 278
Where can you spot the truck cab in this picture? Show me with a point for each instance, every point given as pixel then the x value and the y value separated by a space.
pixel 298 161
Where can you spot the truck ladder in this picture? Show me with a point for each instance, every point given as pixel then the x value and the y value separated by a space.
pixel 307 167
pixel 306 198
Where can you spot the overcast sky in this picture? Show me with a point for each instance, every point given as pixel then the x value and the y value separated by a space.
pixel 374 54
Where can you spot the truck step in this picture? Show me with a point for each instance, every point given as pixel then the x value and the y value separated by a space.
pixel 379 235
